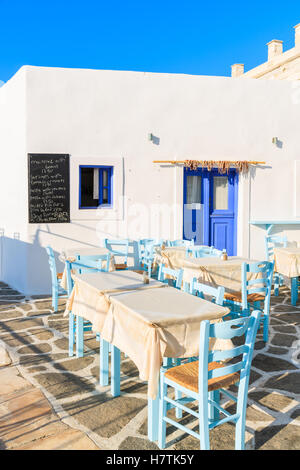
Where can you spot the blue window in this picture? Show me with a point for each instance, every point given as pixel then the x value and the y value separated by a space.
pixel 95 186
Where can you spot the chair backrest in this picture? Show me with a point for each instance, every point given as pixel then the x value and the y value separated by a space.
pixel 216 293
pixel 185 243
pixel 83 266
pixel 94 261
pixel 52 264
pixel 241 355
pixel 271 241
pixel 176 275
pixel 262 283
pixel 118 247
pixel 142 243
pixel 199 251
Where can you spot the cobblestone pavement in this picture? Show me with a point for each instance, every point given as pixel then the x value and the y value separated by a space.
pixel 36 340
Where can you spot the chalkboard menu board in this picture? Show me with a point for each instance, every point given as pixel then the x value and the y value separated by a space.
pixel 48 188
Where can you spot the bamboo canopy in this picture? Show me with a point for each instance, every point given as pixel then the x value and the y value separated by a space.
pixel 223 165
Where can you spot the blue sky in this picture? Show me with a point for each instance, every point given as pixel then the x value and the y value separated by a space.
pixel 187 36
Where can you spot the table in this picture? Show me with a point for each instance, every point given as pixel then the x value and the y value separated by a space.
pixel 174 256
pixel 287 262
pixel 147 322
pixel 212 270
pixel 72 253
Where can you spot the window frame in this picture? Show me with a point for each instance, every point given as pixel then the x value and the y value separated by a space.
pixel 109 187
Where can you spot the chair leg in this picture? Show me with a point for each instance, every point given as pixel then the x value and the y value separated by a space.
pixel 266 327
pixel 104 363
pixel 162 425
pixel 55 299
pixel 71 334
pixel 213 412
pixel 294 290
pixel 79 336
pixel 115 371
pixel 203 425
pixel 153 414
pixel 276 284
pixel 178 394
pixel 241 422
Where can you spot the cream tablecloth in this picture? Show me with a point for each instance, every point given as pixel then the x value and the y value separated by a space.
pixel 213 271
pixel 144 321
pixel 173 256
pixel 72 253
pixel 287 261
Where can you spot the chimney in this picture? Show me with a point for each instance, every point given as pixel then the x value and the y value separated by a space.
pixel 297 35
pixel 237 70
pixel 275 48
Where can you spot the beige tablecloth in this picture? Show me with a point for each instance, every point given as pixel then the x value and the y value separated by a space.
pixel 147 323
pixel 287 261
pixel 215 272
pixel 72 253
pixel 173 256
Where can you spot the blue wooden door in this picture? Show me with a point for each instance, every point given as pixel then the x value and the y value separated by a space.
pixel 210 208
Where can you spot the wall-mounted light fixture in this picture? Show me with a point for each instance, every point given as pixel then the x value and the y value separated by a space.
pixel 275 140
pixel 150 137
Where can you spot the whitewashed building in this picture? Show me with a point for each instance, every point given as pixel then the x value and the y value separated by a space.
pixel 112 126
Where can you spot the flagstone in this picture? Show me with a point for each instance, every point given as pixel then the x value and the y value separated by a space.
pixel 16 339
pixel 104 415
pixel 40 348
pixel 64 385
pixel 66 440
pixel 19 324
pixel 7 314
pixel 41 334
pixel 24 407
pixel 11 381
pixel 273 401
pixel 29 430
pixel 284 437
pixel 271 364
pixel 280 339
pixel 137 443
pixel 289 382
pixel 33 359
pixel 75 364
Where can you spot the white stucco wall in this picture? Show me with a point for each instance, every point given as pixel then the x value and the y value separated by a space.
pixel 106 116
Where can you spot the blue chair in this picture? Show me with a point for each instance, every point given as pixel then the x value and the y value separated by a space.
pixel 57 290
pixel 185 243
pixel 148 256
pixel 141 248
pixel 202 252
pixel 86 264
pixel 176 279
pixel 216 294
pixel 271 241
pixel 205 379
pixel 118 248
pixel 254 292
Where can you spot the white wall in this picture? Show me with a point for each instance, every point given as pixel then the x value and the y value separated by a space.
pixel 13 177
pixel 106 116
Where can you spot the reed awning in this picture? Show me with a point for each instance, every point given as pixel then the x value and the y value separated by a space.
pixel 223 165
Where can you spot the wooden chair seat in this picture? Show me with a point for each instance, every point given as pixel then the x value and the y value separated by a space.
pixel 121 266
pixel 186 375
pixel 238 297
pixel 59 275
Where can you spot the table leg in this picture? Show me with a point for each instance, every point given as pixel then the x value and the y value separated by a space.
pixel 153 417
pixel 104 362
pixel 115 371
pixel 79 336
pixel 71 334
pixel 294 290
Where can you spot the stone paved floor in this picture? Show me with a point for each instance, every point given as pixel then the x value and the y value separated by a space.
pixel 36 340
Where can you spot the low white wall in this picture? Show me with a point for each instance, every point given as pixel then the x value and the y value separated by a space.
pixel 106 116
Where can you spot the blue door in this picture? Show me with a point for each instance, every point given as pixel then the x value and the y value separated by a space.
pixel 210 208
